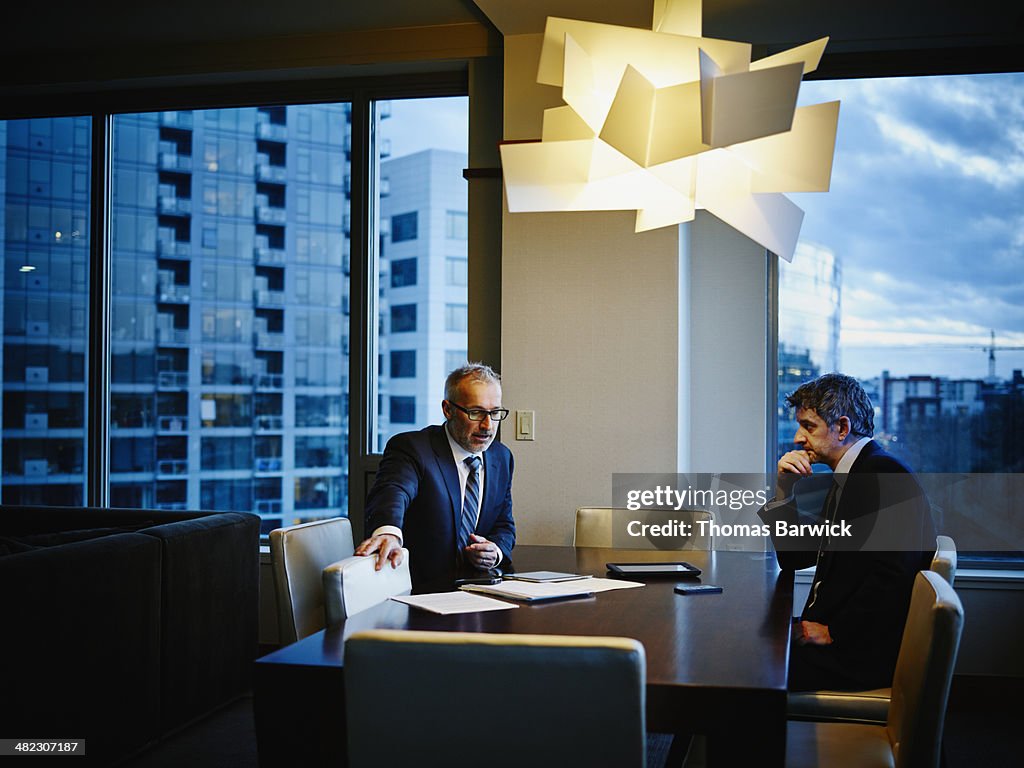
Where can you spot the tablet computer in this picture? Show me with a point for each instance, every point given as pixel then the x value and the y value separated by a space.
pixel 654 569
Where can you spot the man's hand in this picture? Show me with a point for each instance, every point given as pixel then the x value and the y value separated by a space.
pixel 792 466
pixel 386 546
pixel 481 553
pixel 813 633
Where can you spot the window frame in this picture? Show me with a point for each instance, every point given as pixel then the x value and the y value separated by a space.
pixel 963 61
pixel 362 93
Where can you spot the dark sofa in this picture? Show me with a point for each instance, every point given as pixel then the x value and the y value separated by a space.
pixel 119 626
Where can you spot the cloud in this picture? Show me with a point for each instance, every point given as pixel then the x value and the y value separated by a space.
pixel 1001 173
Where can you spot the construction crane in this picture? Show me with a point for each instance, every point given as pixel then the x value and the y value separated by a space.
pixel 991 350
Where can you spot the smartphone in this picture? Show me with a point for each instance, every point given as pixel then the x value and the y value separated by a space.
pixel 479 580
pixel 697 589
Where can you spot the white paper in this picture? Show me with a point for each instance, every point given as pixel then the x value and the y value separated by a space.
pixel 606 585
pixel 446 603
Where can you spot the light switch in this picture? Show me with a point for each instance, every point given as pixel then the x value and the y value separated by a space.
pixel 524 425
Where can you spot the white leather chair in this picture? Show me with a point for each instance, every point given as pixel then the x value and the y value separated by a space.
pixel 353 585
pixel 426 698
pixel 595 525
pixel 299 554
pixel 871 706
pixel 912 734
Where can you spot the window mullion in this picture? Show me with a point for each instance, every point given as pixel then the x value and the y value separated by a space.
pixel 97 384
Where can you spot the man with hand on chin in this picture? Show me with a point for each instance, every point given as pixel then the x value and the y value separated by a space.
pixel 849 634
pixel 445 492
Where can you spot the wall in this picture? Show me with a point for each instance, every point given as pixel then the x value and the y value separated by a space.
pixel 639 352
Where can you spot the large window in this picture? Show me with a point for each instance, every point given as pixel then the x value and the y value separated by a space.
pixel 908 273
pixel 229 241
pixel 44 243
pixel 422 259
pixel 230 300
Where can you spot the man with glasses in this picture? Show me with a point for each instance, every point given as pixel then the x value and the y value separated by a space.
pixel 445 492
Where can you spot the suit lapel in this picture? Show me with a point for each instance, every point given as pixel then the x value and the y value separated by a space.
pixel 446 466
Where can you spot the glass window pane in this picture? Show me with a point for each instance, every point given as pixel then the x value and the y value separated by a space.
pixel 230 294
pixel 423 250
pixel 907 275
pixel 44 248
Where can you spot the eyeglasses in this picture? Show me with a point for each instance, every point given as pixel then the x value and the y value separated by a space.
pixel 478 414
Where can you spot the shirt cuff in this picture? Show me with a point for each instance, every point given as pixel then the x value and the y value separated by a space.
pixel 392 529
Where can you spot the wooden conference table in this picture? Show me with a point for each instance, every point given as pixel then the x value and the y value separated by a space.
pixel 716 663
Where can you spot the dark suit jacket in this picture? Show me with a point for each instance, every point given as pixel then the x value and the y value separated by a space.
pixel 865 594
pixel 417 490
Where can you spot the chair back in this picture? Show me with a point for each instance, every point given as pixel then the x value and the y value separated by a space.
pixel 944 561
pixel 353 585
pixel 548 699
pixel 924 671
pixel 595 527
pixel 299 554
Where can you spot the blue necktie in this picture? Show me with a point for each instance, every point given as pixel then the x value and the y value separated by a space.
pixel 471 503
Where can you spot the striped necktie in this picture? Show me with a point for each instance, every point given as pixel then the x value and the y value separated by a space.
pixel 471 503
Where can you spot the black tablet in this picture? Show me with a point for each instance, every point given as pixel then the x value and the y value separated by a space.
pixel 653 569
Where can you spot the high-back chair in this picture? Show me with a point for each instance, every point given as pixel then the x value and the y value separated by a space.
pixel 912 734
pixel 870 706
pixel 299 554
pixel 522 699
pixel 944 561
pixel 354 584
pixel 594 528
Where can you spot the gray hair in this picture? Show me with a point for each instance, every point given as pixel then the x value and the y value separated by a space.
pixel 834 395
pixel 472 372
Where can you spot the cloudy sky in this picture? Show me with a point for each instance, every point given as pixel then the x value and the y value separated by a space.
pixel 926 214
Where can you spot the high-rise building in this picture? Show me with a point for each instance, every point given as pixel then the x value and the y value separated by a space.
pixel 229 310
pixel 423 285
pixel 810 289
pixel 44 296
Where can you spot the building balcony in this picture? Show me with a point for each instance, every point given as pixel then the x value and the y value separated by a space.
pixel 172 506
pixel 173 293
pixel 276 174
pixel 268 507
pixel 268 340
pixel 170 205
pixel 172 380
pixel 266 214
pixel 269 423
pixel 265 464
pixel 271 131
pixel 172 161
pixel 268 298
pixel 37 422
pixel 172 335
pixel 35 468
pixel 174 424
pixel 181 120
pixel 268 381
pixel 172 467
pixel 269 256
pixel 172 249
